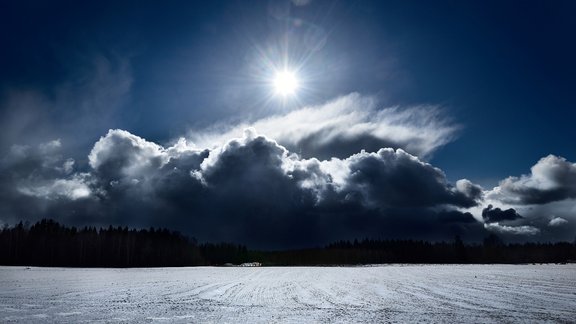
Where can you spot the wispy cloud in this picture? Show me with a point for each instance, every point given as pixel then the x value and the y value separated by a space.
pixel 77 109
pixel 515 230
pixel 345 126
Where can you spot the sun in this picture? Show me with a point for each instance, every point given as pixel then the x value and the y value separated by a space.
pixel 285 83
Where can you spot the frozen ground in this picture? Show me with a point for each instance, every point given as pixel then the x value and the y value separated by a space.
pixel 395 293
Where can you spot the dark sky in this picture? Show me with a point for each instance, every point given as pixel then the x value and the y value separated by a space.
pixel 476 90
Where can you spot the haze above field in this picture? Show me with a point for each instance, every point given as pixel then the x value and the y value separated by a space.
pixel 291 123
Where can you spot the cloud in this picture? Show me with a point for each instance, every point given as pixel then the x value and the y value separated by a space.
pixel 394 178
pixel 345 126
pixel 75 188
pixel 557 221
pixel 84 103
pixel 529 200
pixel 494 215
pixel 254 190
pixel 120 154
pixel 42 160
pixel 250 189
pixel 36 180
pixel 552 179
pixel 536 216
pixel 514 230
pixel 470 189
pixel 386 178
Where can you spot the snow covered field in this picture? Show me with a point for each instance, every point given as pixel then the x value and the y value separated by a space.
pixel 394 293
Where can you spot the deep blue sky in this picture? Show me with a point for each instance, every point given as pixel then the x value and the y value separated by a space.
pixel 505 70
pixel 502 72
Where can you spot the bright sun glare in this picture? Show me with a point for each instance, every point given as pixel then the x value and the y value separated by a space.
pixel 285 83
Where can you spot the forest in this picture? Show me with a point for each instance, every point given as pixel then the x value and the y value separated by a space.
pixel 48 243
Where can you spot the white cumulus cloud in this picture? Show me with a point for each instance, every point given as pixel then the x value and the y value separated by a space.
pixel 551 179
pixel 557 221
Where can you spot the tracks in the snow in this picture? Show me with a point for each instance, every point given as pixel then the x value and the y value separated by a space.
pixel 438 293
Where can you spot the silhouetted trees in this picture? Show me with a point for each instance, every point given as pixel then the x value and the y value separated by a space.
pixel 48 243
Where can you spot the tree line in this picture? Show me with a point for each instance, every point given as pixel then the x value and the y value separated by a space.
pixel 48 243
pixel 492 250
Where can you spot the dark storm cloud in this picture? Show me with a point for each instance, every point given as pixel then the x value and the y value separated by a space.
pixel 492 215
pixel 250 190
pixel 552 179
pixel 548 222
pixel 41 171
pixel 396 178
pixel 37 180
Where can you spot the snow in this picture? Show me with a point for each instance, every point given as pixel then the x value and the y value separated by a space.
pixel 389 293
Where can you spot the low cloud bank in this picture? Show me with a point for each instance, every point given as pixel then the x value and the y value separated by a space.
pixel 251 190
